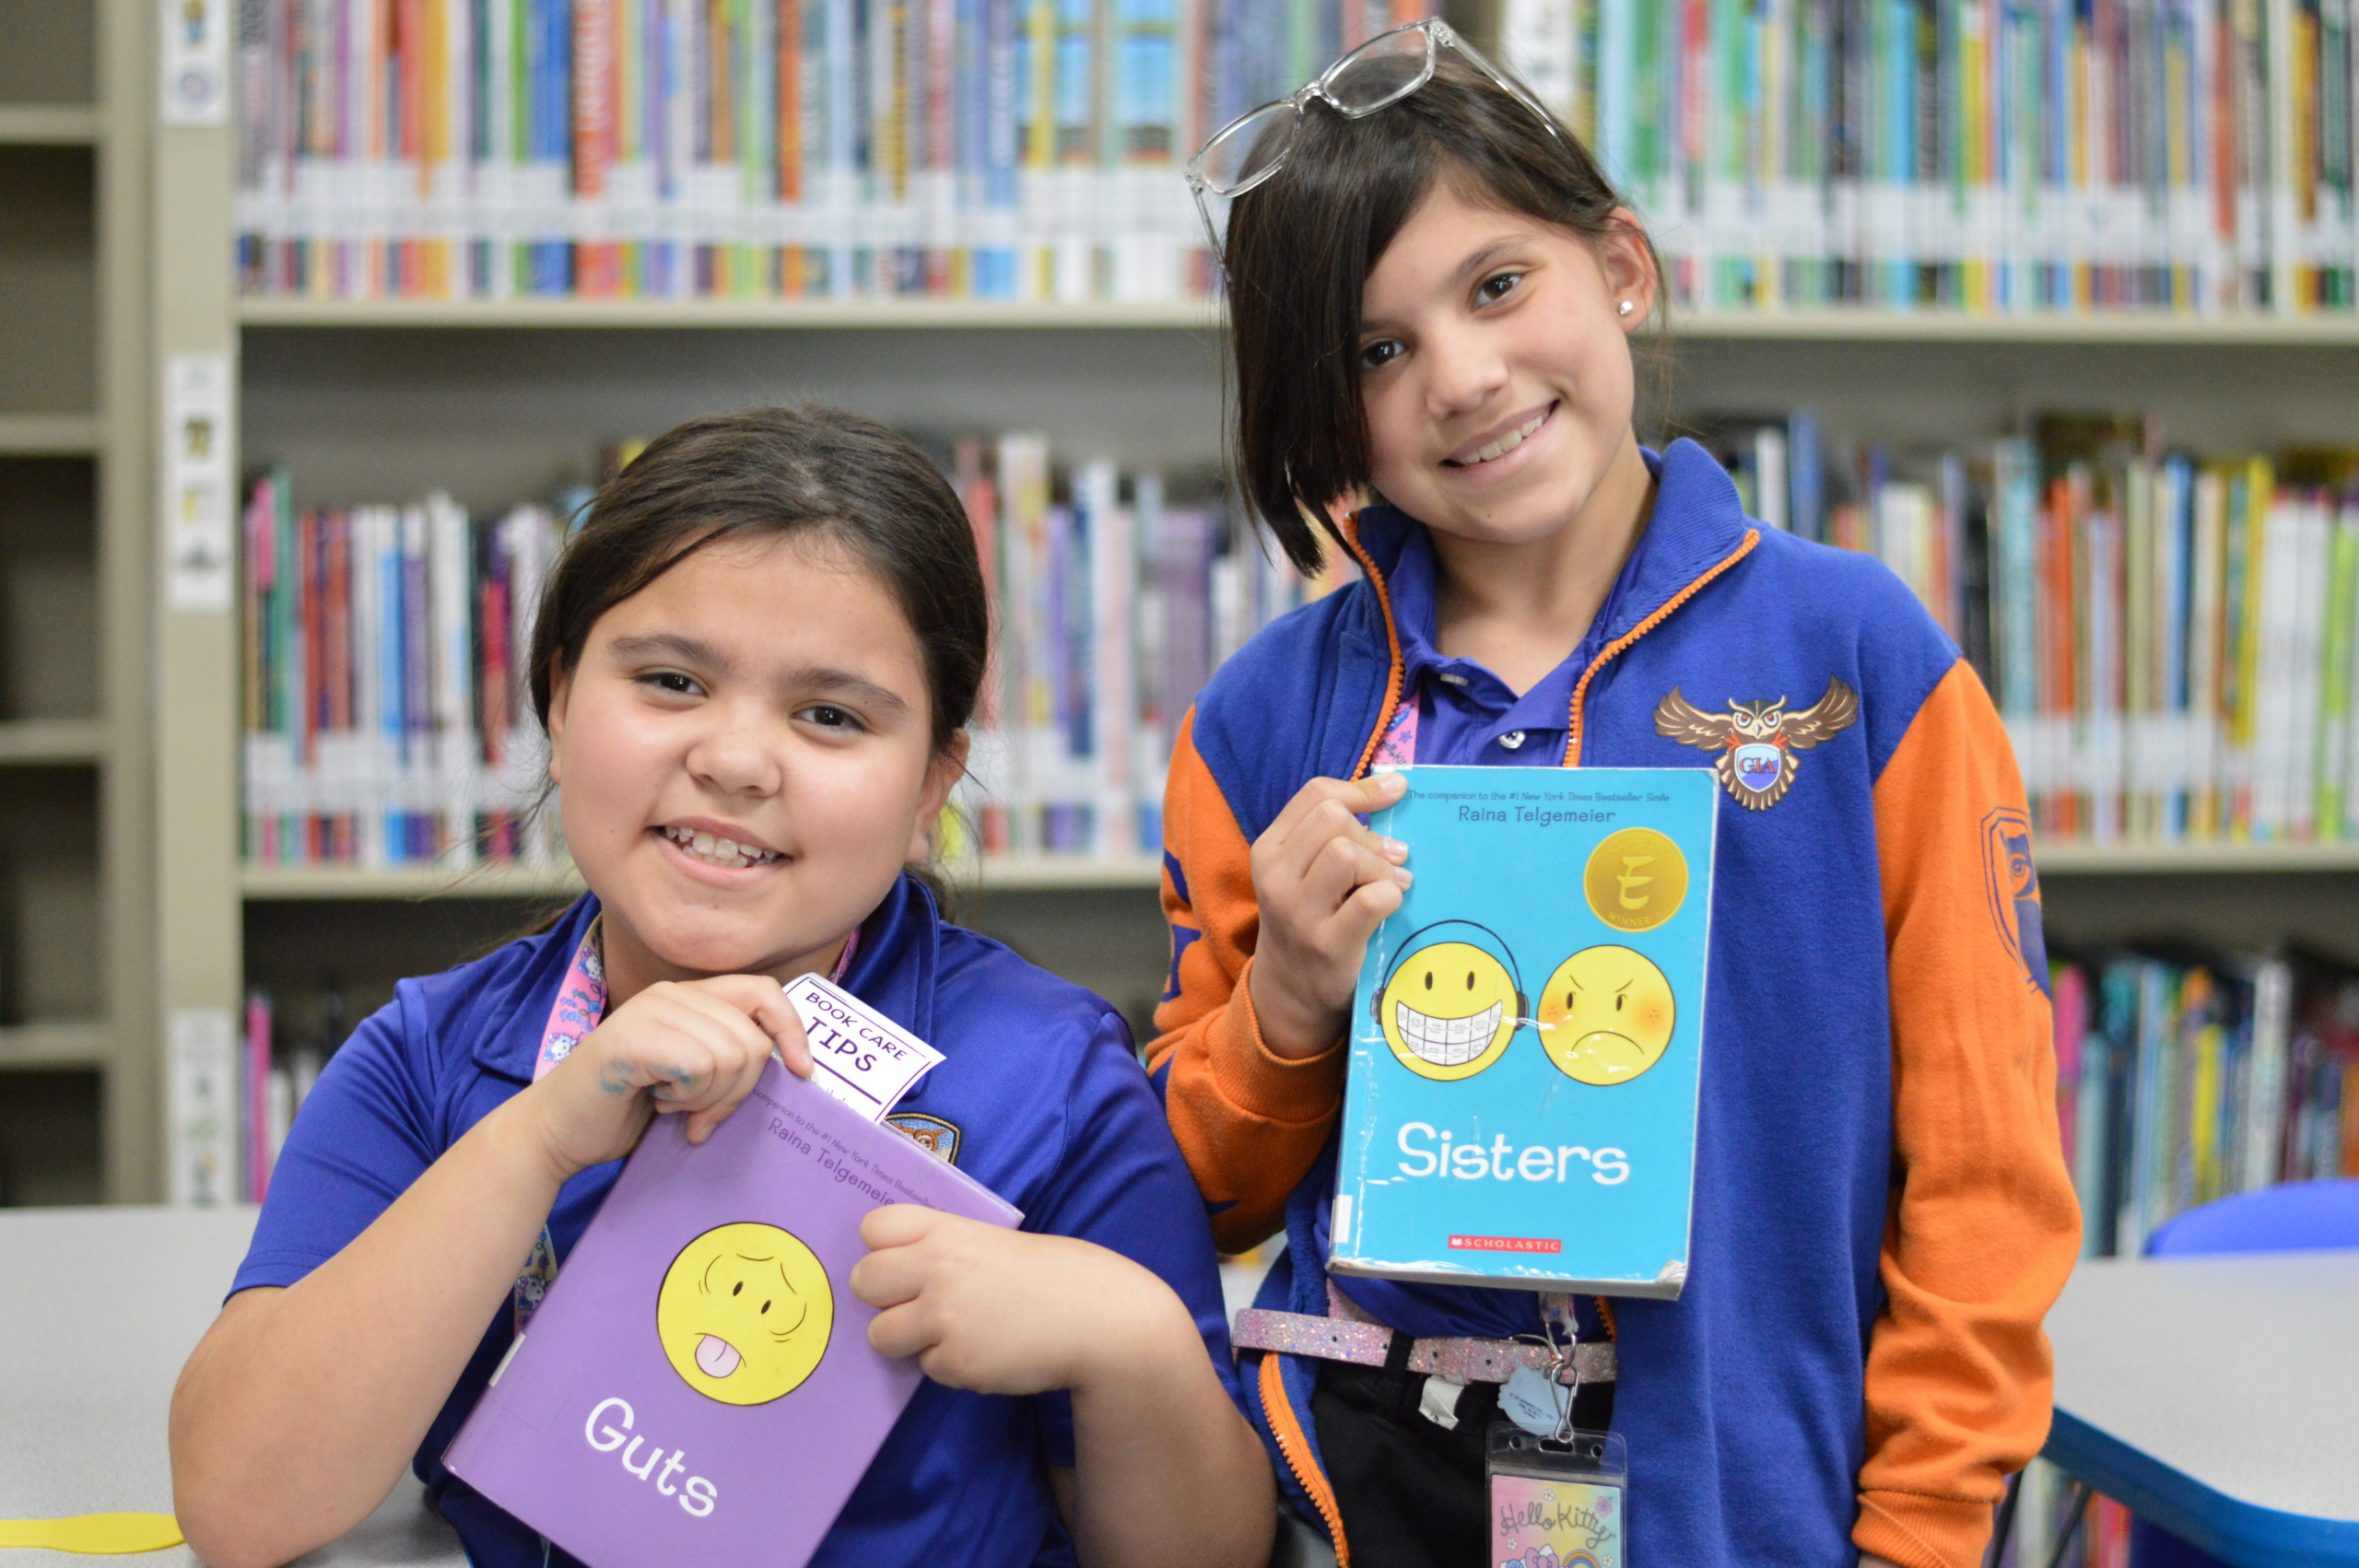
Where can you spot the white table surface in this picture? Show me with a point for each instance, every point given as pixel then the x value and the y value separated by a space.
pixel 2241 1374
pixel 99 1308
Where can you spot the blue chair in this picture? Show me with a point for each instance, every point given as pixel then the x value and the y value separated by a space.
pixel 2300 1217
pixel 2308 1216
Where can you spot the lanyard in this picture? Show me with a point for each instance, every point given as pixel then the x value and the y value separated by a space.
pixel 581 1002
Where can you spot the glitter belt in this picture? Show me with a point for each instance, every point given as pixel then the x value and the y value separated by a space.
pixel 1460 1360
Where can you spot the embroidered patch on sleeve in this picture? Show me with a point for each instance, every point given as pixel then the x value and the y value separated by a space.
pixel 1755 742
pixel 2014 883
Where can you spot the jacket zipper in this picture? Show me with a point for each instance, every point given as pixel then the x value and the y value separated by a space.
pixel 1290 1444
pixel 1580 687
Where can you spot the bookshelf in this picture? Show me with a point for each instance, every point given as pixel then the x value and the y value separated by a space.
pixel 378 400
pixel 79 1058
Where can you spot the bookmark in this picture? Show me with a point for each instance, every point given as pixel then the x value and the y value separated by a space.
pixel 863 1058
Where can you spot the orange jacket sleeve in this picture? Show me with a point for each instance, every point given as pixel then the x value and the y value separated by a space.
pixel 1982 1228
pixel 1250 1124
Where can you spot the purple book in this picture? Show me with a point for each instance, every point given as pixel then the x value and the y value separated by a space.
pixel 698 1387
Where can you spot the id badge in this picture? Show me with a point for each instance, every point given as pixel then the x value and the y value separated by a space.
pixel 1557 1504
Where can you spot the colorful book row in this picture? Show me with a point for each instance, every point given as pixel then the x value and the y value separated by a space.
pixel 986 150
pixel 2169 638
pixel 1987 155
pixel 2184 1079
pixel 384 652
pixel 387 724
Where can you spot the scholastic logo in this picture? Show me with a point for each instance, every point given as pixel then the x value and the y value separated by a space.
pixel 1505 1244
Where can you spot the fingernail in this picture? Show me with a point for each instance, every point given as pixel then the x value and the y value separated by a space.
pixel 1401 876
pixel 1391 783
pixel 1397 849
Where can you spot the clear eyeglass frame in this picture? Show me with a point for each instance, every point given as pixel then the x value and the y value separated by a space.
pixel 1208 173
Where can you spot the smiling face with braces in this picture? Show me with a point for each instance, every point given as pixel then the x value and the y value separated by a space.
pixel 1448 1009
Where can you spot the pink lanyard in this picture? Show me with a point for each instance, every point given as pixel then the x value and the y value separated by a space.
pixel 581 998
pixel 1399 747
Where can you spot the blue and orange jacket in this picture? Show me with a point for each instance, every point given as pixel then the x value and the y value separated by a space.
pixel 1881 1215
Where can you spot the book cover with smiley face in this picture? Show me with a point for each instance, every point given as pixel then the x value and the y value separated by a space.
pixel 1527 1034
pixel 697 1389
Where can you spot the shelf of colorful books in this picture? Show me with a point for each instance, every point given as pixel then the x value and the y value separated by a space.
pixel 34 1045
pixel 48 124
pixel 49 740
pixel 574 312
pixel 2069 858
pixel 48 435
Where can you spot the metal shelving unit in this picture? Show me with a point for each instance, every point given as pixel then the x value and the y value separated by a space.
pixel 76 967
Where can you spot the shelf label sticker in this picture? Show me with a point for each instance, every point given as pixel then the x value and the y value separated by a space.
pixel 200 495
pixel 195 56
pixel 201 1108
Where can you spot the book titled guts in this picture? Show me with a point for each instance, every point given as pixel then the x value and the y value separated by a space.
pixel 698 1389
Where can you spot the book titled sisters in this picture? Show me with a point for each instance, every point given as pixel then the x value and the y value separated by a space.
pixel 698 1387
pixel 1527 1034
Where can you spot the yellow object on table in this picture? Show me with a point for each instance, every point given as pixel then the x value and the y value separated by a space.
pixel 110 1533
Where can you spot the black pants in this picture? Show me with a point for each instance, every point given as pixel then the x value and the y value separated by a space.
pixel 1413 1494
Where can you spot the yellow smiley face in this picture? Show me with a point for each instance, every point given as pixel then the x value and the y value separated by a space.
pixel 1606 1016
pixel 1448 1009
pixel 745 1313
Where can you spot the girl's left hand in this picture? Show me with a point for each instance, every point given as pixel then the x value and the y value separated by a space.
pixel 1004 1312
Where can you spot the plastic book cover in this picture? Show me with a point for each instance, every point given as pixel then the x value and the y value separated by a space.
pixel 1527 1034
pixel 698 1387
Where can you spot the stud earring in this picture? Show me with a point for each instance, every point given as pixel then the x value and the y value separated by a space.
pixel 1622 309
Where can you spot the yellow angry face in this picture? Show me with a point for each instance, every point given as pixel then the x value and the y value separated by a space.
pixel 745 1313
pixel 1448 1009
pixel 1606 1016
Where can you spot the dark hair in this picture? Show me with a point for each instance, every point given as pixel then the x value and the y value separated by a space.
pixel 773 473
pixel 1300 247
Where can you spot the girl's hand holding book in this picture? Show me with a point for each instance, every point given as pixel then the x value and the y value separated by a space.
pixel 1323 883
pixel 1010 1312
pixel 694 1047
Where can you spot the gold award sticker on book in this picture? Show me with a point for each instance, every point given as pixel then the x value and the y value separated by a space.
pixel 1636 879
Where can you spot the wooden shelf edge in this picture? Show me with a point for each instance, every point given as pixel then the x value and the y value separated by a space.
pixel 2068 860
pixel 2123 327
pixel 1831 326
pixel 1052 874
pixel 270 311
pixel 281 883
pixel 48 435
pixel 53 1045
pixel 36 741
pixel 50 125
pixel 271 884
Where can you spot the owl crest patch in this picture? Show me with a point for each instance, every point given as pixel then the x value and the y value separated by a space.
pixel 939 1137
pixel 1755 742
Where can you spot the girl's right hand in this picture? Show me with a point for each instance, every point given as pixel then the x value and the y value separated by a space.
pixel 694 1047
pixel 1323 884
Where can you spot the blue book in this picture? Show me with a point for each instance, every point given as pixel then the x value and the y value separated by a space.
pixel 1527 1034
